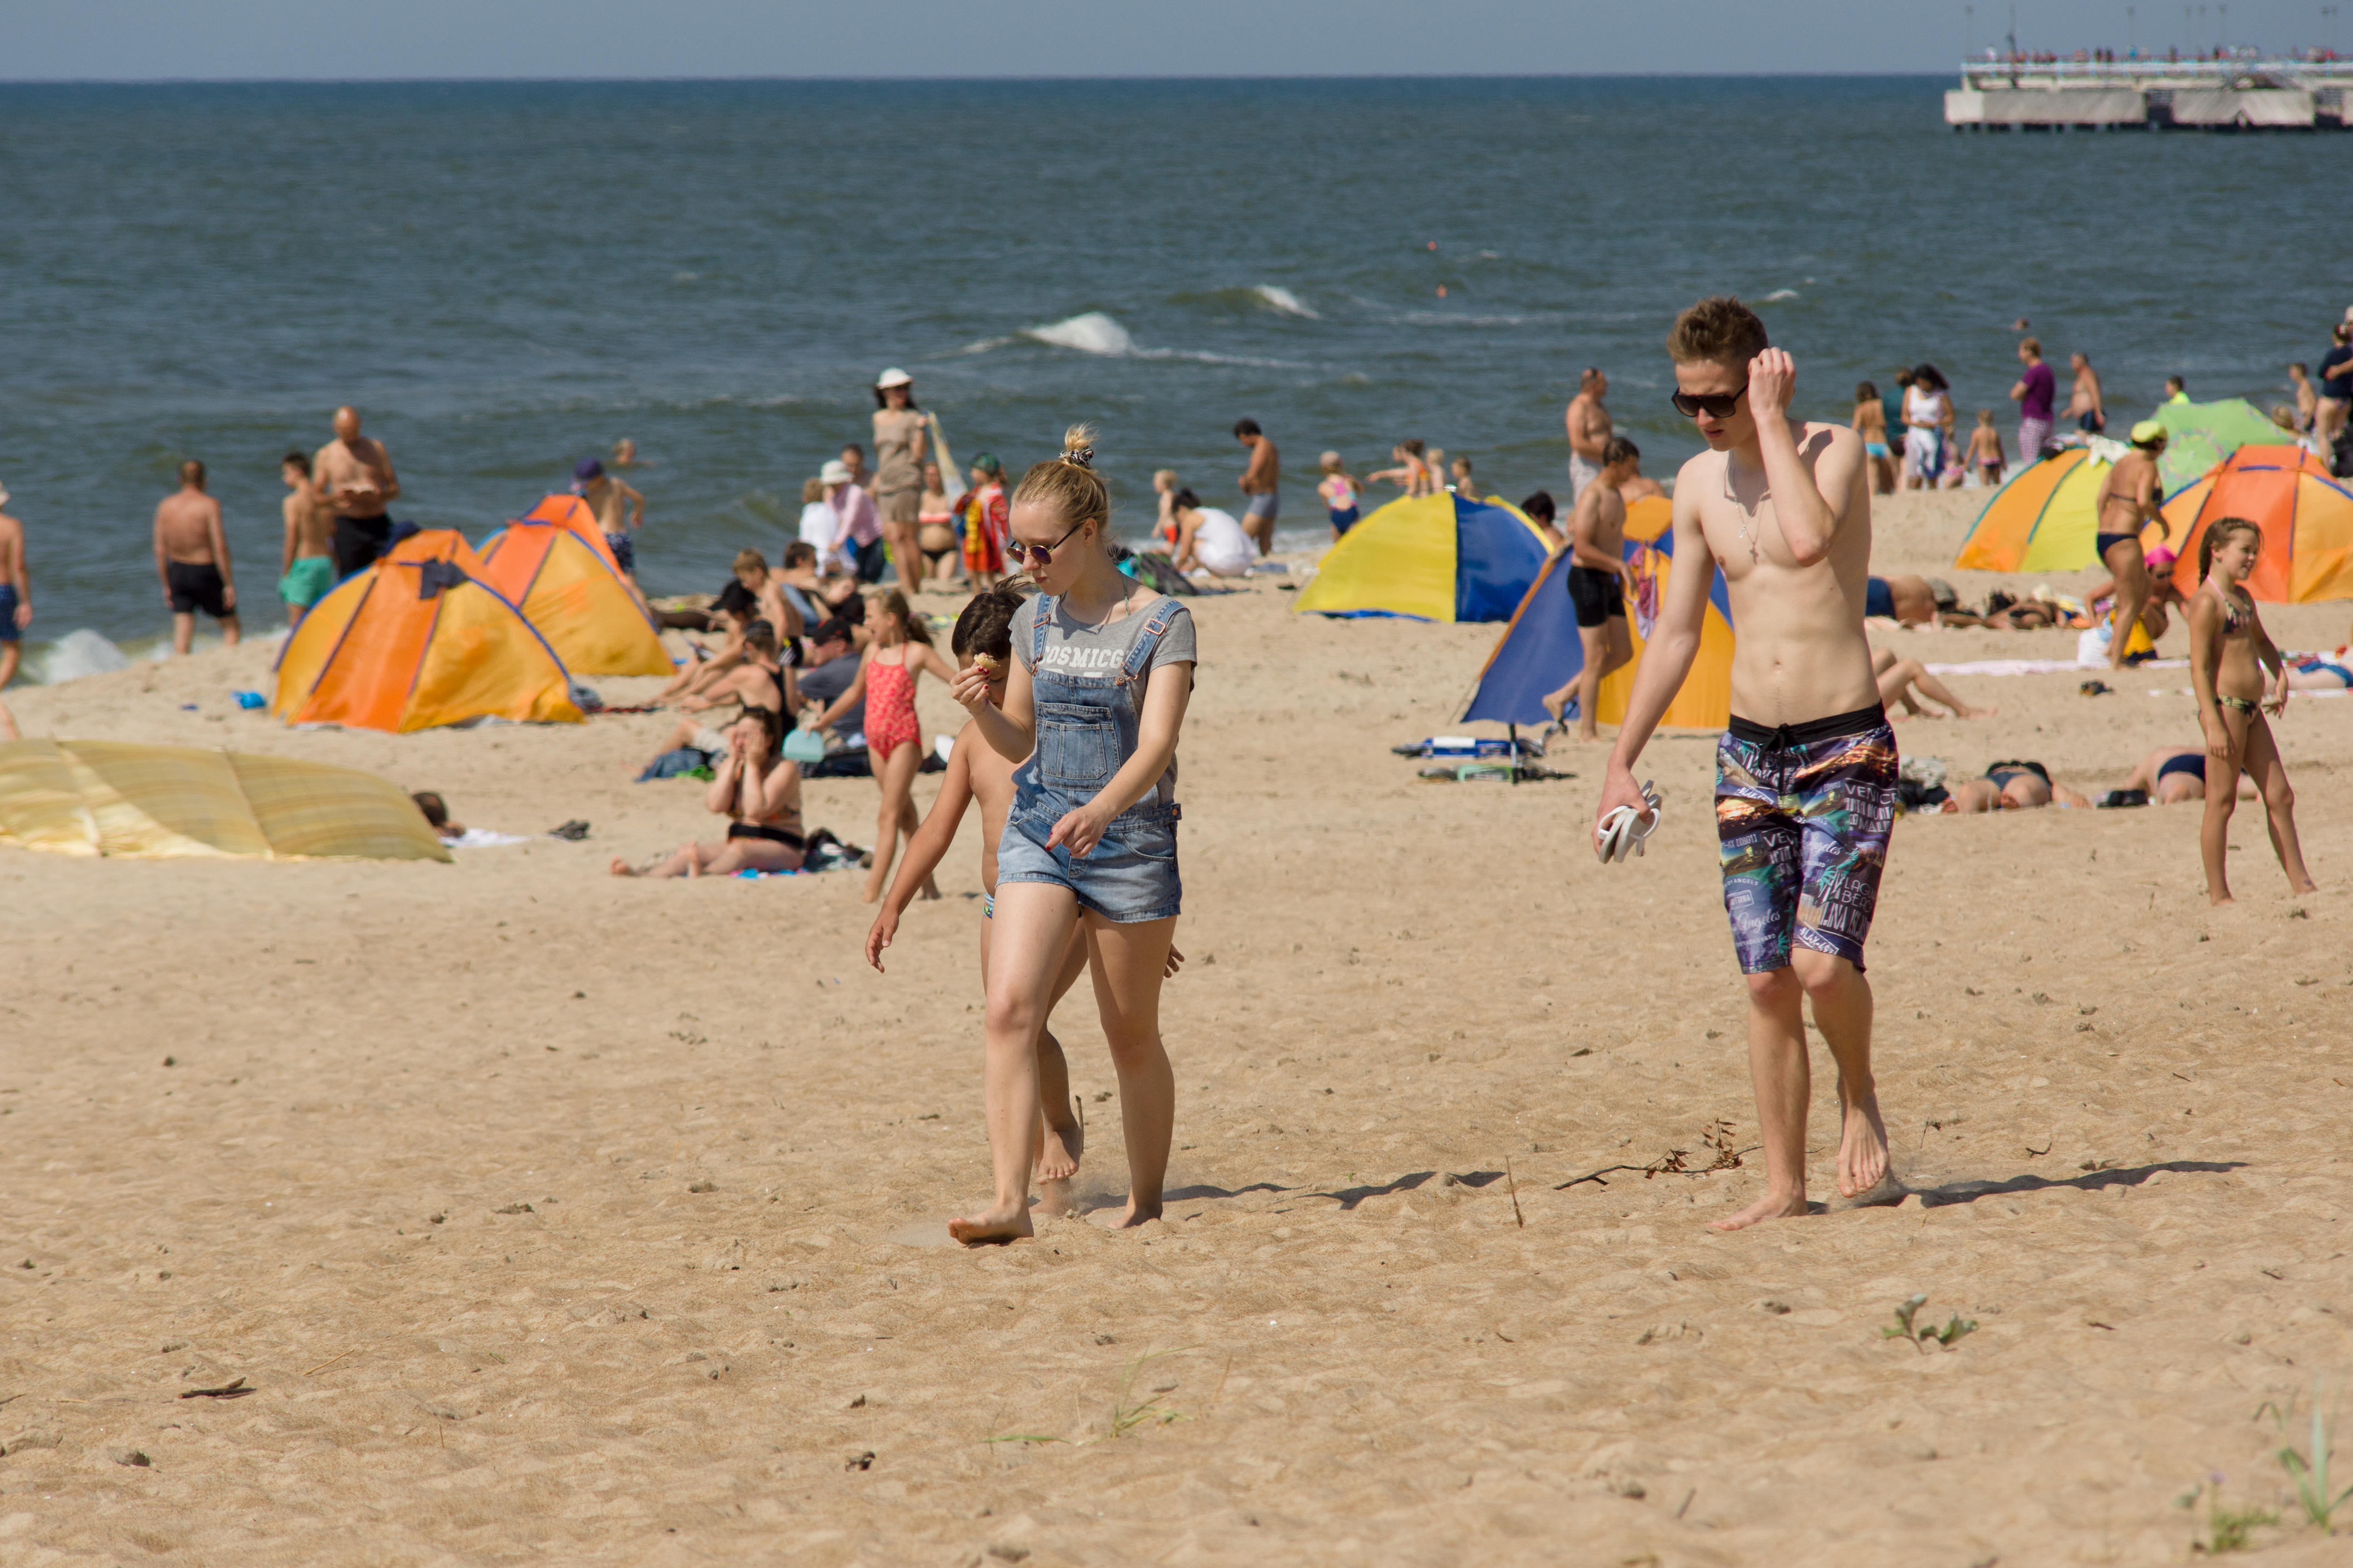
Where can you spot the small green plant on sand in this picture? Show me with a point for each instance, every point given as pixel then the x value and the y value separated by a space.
pixel 1127 1413
pixel 2308 1468
pixel 2227 1528
pixel 1918 1338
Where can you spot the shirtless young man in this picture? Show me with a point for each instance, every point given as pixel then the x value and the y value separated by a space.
pixel 1588 432
pixel 1260 484
pixel 308 568
pixel 618 508
pixel 15 597
pixel 355 482
pixel 1806 775
pixel 192 560
pixel 1598 579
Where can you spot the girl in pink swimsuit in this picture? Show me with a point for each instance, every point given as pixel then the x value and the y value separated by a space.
pixel 900 651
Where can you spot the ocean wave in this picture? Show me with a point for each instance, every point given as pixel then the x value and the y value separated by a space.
pixel 78 653
pixel 1282 299
pixel 1778 294
pixel 1094 333
pixel 1091 333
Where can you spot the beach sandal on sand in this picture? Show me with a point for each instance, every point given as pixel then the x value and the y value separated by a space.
pixel 1624 831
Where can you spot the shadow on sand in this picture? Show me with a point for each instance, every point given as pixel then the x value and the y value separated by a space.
pixel 2090 1181
pixel 1349 1197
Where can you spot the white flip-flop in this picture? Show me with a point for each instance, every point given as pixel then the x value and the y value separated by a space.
pixel 1624 831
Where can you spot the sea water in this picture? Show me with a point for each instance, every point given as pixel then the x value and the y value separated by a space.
pixel 507 278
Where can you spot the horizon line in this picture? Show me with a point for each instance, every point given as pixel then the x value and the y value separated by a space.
pixel 885 80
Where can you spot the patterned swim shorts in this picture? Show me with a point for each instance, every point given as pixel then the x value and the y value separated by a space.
pixel 1802 815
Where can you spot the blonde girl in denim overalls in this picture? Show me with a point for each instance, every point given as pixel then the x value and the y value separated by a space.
pixel 1094 700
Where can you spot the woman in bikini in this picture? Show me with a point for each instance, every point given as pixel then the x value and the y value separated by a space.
pixel 901 651
pixel 2128 499
pixel 2229 652
pixel 760 794
pixel 935 533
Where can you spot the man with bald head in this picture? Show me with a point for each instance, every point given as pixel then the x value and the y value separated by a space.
pixel 356 483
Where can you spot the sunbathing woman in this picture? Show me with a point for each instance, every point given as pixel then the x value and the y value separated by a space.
pixel 1906 680
pixel 2229 651
pixel 1101 675
pixel 900 652
pixel 760 793
pixel 2321 671
pixel 756 681
pixel 2171 775
pixel 2011 786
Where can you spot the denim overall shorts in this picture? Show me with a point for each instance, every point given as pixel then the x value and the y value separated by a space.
pixel 1087 727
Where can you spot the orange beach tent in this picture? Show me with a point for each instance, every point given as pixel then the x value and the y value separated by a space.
pixel 417 640
pixel 2307 518
pixel 554 568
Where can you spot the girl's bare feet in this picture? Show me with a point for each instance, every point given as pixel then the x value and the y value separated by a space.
pixel 992 1226
pixel 1772 1206
pixel 1059 1151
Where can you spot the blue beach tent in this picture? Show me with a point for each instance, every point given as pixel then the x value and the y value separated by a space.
pixel 1429 557
pixel 1540 651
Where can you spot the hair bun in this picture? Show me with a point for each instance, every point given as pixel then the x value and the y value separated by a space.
pixel 1078 446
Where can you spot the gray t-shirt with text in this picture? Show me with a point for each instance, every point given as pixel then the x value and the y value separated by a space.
pixel 1073 647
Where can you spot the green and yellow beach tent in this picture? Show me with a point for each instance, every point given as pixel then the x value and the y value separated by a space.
pixel 119 798
pixel 2199 435
pixel 2305 515
pixel 1431 558
pixel 2044 519
pixel 417 640
pixel 555 566
pixel 1540 651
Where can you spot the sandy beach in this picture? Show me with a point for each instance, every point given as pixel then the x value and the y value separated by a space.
pixel 549 1217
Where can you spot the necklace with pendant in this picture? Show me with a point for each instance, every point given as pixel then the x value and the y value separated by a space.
pixel 1747 517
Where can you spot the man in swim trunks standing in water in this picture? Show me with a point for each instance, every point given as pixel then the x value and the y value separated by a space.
pixel 1806 774
pixel 1589 431
pixel 192 560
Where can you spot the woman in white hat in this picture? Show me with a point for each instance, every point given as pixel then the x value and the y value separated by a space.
pixel 901 433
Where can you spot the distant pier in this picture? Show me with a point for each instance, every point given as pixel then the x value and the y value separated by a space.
pixel 2152 95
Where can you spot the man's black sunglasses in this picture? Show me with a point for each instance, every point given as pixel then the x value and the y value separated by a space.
pixel 1717 406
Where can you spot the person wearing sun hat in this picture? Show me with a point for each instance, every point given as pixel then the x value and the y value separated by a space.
pixel 901 433
pixel 2128 499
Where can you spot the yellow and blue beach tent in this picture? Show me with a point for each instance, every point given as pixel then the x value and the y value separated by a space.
pixel 1431 558
pixel 1540 651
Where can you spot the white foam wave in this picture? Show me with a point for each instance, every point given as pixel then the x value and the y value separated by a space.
pixel 1091 333
pixel 1284 301
pixel 1778 294
pixel 1097 334
pixel 75 655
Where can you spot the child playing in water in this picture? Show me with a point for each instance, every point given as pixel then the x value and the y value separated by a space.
pixel 975 772
pixel 1985 455
pixel 2229 652
pixel 900 652
pixel 1464 485
pixel 1093 704
pixel 1411 473
pixel 1338 488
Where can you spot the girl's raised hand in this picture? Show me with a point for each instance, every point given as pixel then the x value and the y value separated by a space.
pixel 886 926
pixel 970 686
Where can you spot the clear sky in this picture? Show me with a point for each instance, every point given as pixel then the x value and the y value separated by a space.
pixel 348 40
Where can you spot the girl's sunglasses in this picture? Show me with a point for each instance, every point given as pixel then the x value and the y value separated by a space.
pixel 1039 554
pixel 1716 406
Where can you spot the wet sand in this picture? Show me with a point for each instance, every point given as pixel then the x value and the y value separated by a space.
pixel 552 1217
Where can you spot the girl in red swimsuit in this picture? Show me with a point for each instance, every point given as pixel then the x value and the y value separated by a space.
pixel 901 650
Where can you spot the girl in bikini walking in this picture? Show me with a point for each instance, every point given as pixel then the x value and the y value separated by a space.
pixel 2229 652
